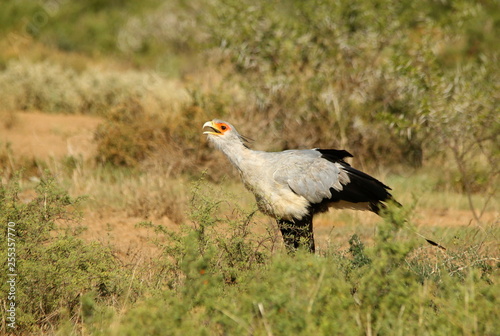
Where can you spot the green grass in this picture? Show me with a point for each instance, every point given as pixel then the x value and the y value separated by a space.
pixel 218 276
pixel 426 188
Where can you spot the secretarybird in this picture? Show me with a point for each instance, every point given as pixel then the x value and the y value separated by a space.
pixel 293 185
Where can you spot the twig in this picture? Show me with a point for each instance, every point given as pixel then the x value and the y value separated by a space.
pixel 237 320
pixel 472 264
pixel 315 290
pixel 466 183
pixel 264 319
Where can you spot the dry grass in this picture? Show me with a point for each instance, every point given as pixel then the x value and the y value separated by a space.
pixel 52 87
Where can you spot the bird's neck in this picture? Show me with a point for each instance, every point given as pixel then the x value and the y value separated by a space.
pixel 238 154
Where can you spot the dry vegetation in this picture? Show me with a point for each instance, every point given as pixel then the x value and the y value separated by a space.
pixel 129 223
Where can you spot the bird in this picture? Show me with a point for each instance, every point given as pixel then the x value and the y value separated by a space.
pixel 292 186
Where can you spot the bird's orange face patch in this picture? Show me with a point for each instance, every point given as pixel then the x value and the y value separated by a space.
pixel 222 127
pixel 216 128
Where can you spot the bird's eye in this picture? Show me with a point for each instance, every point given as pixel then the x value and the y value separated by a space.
pixel 223 127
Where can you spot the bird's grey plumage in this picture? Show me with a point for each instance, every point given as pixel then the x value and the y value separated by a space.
pixel 307 174
pixel 293 185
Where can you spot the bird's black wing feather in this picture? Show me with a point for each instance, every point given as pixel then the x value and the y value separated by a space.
pixel 361 187
pixel 335 155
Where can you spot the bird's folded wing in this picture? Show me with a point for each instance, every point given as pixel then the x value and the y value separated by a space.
pixel 310 176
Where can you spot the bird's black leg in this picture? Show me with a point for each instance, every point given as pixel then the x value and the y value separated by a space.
pixel 297 233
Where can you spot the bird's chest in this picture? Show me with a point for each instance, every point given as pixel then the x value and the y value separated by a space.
pixel 275 199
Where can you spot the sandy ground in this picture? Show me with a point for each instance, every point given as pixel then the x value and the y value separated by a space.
pixel 53 136
pixel 45 136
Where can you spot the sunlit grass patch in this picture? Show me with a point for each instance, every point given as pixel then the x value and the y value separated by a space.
pixel 50 87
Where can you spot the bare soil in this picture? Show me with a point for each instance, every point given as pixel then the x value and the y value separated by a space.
pixel 46 136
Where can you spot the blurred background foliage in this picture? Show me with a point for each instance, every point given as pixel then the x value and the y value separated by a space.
pixel 397 83
pixel 392 81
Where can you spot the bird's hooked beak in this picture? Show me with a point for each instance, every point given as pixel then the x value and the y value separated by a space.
pixel 214 128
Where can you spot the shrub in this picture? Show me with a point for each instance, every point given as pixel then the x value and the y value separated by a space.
pixel 221 246
pixel 217 276
pixel 368 76
pixel 128 136
pixel 214 288
pixel 54 267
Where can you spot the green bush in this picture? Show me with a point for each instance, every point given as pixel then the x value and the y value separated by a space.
pixel 213 287
pixel 218 276
pixel 370 75
pixel 54 266
pixel 129 135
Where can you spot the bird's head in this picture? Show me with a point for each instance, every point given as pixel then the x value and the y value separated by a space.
pixel 220 132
